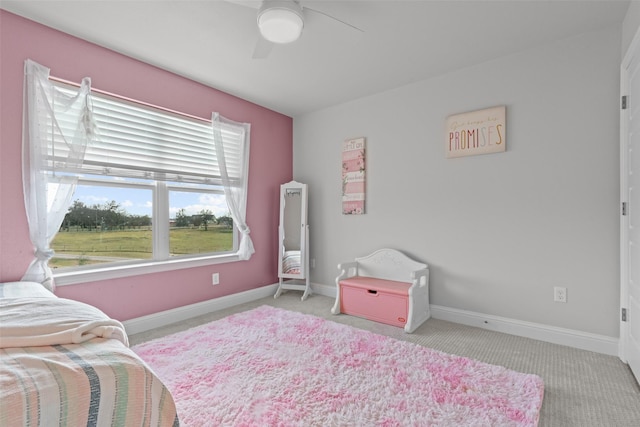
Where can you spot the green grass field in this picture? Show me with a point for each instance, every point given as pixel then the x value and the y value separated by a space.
pixel 79 247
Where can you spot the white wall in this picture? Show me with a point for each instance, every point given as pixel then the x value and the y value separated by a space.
pixel 498 231
pixel 630 25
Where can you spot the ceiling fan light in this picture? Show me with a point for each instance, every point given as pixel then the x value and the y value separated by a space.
pixel 280 25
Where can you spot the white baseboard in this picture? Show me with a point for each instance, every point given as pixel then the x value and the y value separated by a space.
pixel 163 318
pixel 326 290
pixel 569 337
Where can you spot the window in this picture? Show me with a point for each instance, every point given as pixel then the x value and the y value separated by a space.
pixel 150 190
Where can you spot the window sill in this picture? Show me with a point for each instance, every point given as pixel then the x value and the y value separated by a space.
pixel 116 272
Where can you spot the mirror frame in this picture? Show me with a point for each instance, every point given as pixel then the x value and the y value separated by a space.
pixel 290 189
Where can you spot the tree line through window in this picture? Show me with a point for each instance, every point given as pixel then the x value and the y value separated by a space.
pixel 103 233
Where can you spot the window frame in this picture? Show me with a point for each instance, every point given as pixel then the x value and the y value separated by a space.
pixel 161 262
pixel 129 270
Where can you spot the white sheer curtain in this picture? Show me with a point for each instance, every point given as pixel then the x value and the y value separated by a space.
pixel 235 188
pixel 48 141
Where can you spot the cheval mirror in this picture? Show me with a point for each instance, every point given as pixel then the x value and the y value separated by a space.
pixel 293 241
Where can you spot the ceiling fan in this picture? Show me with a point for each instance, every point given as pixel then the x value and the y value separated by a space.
pixel 280 22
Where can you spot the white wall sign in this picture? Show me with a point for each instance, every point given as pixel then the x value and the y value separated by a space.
pixel 476 132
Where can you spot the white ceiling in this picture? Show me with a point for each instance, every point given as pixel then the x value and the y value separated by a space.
pixel 402 41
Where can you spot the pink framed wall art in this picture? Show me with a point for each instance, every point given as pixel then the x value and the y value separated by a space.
pixel 353 176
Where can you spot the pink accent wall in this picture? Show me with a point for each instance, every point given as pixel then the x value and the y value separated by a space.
pixel 70 58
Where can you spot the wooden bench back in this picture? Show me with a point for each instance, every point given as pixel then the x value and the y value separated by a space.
pixel 388 264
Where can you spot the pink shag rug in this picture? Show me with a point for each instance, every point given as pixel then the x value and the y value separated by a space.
pixel 268 367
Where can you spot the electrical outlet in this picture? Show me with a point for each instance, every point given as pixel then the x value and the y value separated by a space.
pixel 560 294
pixel 313 263
pixel 215 278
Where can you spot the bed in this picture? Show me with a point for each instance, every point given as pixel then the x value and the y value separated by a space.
pixel 65 363
pixel 291 262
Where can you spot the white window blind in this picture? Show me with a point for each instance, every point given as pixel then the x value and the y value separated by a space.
pixel 139 141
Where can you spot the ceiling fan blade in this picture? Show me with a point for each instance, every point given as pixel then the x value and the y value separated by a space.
pixel 332 17
pixel 254 4
pixel 262 49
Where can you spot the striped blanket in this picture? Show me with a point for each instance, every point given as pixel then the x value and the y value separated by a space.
pixel 96 383
pixel 82 377
pixel 291 262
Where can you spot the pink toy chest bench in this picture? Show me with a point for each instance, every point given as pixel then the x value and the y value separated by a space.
pixel 384 301
pixel 387 287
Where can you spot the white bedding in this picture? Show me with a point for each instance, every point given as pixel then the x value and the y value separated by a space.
pixel 36 321
pixel 24 289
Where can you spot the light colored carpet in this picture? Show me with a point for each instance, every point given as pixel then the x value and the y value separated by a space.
pixel 275 367
pixel 582 388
